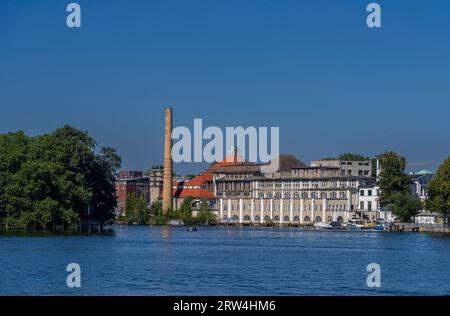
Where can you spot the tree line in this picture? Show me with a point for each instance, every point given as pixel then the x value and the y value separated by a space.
pixel 137 212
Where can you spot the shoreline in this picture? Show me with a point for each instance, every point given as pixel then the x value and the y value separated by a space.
pixel 117 227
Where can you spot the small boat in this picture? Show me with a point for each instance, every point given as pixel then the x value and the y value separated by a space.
pixel 355 224
pixel 192 229
pixel 321 225
pixel 380 227
pixel 175 222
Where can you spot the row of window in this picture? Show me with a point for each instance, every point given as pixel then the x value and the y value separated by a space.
pixel 286 207
pixel 369 206
pixel 286 219
pixel 306 184
pixel 297 195
pixel 362 192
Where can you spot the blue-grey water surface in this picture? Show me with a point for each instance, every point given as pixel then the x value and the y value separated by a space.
pixel 140 260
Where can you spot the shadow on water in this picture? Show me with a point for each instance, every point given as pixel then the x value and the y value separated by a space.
pixel 55 233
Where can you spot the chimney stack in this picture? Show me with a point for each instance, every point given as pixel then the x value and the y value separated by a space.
pixel 168 166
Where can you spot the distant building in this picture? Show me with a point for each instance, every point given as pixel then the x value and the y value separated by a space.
pixel 296 193
pixel 197 189
pixel 155 175
pixel 430 218
pixel 369 205
pixel 368 201
pixel 346 167
pixel 419 183
pixel 131 182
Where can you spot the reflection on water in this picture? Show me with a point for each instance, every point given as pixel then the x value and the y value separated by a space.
pixel 225 261
pixel 165 232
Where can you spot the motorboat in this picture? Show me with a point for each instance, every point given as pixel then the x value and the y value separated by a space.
pixel 175 222
pixel 355 224
pixel 322 225
pixel 336 225
pixel 192 229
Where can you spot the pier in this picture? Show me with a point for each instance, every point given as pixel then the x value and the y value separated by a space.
pixel 404 227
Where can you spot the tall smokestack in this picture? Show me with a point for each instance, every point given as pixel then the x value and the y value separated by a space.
pixel 168 167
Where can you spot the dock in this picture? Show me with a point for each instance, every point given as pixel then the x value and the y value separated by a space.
pixel 404 227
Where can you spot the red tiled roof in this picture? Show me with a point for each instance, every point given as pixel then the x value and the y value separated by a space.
pixel 222 164
pixel 194 193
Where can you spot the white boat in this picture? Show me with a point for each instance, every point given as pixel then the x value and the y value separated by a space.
pixel 175 222
pixel 355 224
pixel 322 225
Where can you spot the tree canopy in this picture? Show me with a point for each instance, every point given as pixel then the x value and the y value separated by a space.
pixel 394 187
pixel 352 157
pixel 348 157
pixel 49 181
pixel 392 178
pixel 439 190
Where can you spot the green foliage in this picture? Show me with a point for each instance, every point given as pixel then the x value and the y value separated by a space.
pixel 392 178
pixel 439 190
pixel 157 216
pixel 352 157
pixel 47 181
pixel 136 210
pixel 184 212
pixel 348 157
pixel 329 158
pixel 394 187
pixel 205 216
pixel 405 206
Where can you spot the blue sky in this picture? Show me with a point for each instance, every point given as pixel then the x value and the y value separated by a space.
pixel 313 68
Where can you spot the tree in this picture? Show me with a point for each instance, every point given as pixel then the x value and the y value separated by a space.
pixel 157 215
pixel 352 157
pixel 136 210
pixel 205 215
pixel 394 187
pixel 48 181
pixel 185 211
pixel 439 190
pixel 392 178
pixel 405 206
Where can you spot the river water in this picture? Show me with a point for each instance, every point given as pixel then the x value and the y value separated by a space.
pixel 140 260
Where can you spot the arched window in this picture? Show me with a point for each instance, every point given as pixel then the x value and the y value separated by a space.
pixel 267 218
pixel 261 195
pixel 318 219
pixel 340 219
pixel 286 218
pixel 307 219
pixel 269 195
pixel 296 195
pixel 257 218
pixel 247 218
pixel 287 195
pixel 296 219
pixel 277 195
pixel 329 219
pixel 276 218
pixel 236 218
